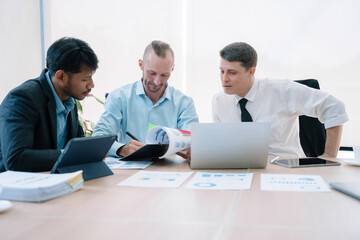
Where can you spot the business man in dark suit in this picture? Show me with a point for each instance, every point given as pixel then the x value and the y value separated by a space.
pixel 39 117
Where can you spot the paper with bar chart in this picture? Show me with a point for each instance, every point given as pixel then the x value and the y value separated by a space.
pixel 156 179
pixel 293 183
pixel 176 138
pixel 115 163
pixel 224 181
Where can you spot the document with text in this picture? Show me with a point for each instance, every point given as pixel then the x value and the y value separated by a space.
pixel 115 163
pixel 38 187
pixel 156 179
pixel 220 181
pixel 176 138
pixel 161 142
pixel 293 183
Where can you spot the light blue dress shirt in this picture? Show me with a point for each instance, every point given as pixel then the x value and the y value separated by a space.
pixel 62 111
pixel 129 109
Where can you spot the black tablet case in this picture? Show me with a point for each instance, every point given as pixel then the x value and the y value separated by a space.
pixel 147 153
pixel 87 154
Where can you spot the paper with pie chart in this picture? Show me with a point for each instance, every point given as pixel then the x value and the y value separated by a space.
pixel 115 163
pixel 293 183
pixel 177 139
pixel 223 181
pixel 156 179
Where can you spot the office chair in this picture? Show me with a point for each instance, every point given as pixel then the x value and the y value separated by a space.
pixel 312 131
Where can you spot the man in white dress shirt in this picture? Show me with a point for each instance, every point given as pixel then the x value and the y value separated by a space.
pixel 279 102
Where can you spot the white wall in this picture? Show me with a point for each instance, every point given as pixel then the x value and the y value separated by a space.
pixel 118 31
pixel 294 39
pixel 20 47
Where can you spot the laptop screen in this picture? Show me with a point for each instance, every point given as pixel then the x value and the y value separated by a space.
pixel 229 145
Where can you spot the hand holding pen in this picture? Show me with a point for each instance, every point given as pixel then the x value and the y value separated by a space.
pixel 132 136
pixel 131 147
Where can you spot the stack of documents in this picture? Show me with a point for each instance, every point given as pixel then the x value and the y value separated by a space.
pixel 38 187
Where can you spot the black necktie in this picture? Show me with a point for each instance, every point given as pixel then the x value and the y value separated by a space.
pixel 245 115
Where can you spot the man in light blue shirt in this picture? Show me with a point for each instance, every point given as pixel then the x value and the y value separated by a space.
pixel 132 107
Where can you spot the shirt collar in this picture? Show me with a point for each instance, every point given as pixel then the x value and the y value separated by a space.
pixel 66 105
pixel 139 88
pixel 167 93
pixel 140 91
pixel 250 96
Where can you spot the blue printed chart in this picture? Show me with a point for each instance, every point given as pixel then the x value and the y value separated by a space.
pixel 224 181
pixel 293 183
pixel 178 140
pixel 156 179
pixel 115 163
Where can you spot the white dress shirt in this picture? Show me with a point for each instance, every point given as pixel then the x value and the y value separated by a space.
pixel 280 102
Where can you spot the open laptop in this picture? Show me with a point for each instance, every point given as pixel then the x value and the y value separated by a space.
pixel 229 145
pixel 349 188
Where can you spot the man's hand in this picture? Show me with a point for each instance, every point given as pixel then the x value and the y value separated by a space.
pixel 129 148
pixel 325 155
pixel 333 137
pixel 186 155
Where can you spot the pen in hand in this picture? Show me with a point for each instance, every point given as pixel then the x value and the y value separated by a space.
pixel 132 136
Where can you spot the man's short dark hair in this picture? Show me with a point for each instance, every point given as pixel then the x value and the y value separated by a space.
pixel 160 48
pixel 240 52
pixel 69 54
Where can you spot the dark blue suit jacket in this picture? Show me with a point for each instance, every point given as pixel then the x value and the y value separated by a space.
pixel 28 134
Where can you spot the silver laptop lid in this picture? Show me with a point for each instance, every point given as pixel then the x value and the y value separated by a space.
pixel 229 145
pixel 350 188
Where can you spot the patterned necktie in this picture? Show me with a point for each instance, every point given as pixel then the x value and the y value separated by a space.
pixel 245 115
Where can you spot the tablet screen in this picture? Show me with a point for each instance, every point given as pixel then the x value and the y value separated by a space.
pixel 305 162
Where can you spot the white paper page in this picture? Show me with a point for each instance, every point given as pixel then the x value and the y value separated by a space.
pixel 156 179
pixel 227 181
pixel 177 140
pixel 115 163
pixel 293 183
pixel 14 179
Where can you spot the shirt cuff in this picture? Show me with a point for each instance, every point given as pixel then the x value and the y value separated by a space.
pixel 114 148
pixel 340 120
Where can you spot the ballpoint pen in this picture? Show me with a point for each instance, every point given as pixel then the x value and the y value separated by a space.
pixel 274 159
pixel 132 136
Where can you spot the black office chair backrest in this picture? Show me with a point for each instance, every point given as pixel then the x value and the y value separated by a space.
pixel 312 131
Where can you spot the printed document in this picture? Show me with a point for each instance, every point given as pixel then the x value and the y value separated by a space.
pixel 225 181
pixel 293 183
pixel 156 179
pixel 38 187
pixel 176 138
pixel 115 163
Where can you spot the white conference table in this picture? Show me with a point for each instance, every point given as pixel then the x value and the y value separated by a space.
pixel 102 210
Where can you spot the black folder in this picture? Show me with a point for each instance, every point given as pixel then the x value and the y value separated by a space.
pixel 147 153
pixel 87 154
